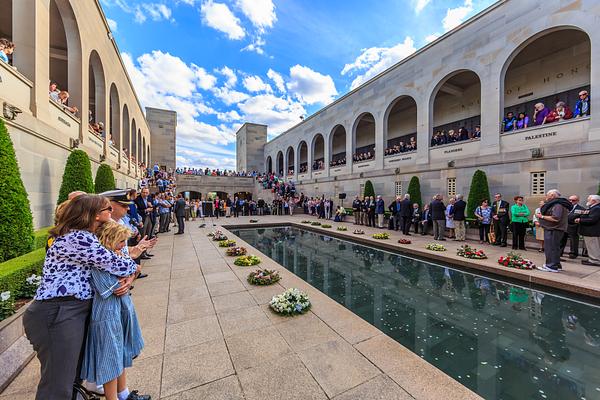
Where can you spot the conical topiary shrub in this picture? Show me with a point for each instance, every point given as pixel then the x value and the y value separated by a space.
pixel 479 191
pixel 369 191
pixel 414 190
pixel 77 175
pixel 16 223
pixel 105 180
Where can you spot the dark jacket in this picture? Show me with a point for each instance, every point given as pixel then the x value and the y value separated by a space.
pixel 179 208
pixel 426 215
pixel 141 206
pixel 407 209
pixel 501 210
pixel 438 210
pixel 574 214
pixel 396 208
pixel 589 222
pixel 379 206
pixel 458 212
pixel 356 205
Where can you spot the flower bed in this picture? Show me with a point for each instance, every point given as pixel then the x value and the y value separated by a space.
pixel 342 228
pixel 227 243
pixel 404 241
pixel 219 237
pixel 7 305
pixel 467 251
pixel 381 236
pixel 305 222
pixel 435 247
pixel 326 226
pixel 236 251
pixel 263 277
pixel 291 302
pixel 247 261
pixel 516 260
pixel 359 232
pixel 315 223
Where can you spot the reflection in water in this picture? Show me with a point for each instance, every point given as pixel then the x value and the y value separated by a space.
pixel 501 341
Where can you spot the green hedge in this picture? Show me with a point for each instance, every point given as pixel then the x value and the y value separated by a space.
pixel 40 237
pixel 77 175
pixel 14 272
pixel 105 179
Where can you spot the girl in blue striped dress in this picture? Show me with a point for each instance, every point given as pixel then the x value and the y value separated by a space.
pixel 114 336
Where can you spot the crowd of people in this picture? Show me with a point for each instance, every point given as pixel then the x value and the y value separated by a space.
pixel 318 164
pixel 544 115
pixel 402 147
pixel 338 162
pixel 61 97
pixel 442 137
pixel 363 156
pixel 213 172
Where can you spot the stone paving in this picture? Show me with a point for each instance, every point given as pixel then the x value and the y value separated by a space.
pixel 211 335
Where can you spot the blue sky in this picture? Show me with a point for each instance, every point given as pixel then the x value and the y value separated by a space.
pixel 220 63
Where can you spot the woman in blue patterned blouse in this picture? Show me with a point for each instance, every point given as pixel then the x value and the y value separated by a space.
pixel 55 323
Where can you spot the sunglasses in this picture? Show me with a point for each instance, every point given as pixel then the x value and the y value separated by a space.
pixel 109 208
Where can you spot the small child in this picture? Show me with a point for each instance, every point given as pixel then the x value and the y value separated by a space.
pixel 114 337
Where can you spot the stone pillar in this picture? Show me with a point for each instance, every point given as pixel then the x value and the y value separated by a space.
pixel 349 146
pixel 326 154
pixel 379 145
pixel 594 132
pixel 309 159
pixel 31 35
pixel 491 114
pixel 106 115
pixel 424 127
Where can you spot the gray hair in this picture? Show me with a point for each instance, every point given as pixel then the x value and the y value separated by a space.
pixel 407 196
pixel 554 192
pixel 594 197
pixel 459 196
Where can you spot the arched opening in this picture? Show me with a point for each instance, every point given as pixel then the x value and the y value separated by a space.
pixel 65 54
pixel 114 131
pixel 144 160
pixel 97 99
pixel 318 152
pixel 290 160
pixel 126 137
pixel 214 195
pixel 400 127
pixel 338 146
pixel 6 22
pixel 279 165
pixel 133 153
pixel 269 165
pixel 303 157
pixel 363 138
pixel 243 195
pixel 550 68
pixel 457 109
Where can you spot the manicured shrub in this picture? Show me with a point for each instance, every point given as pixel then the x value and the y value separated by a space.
pixel 105 180
pixel 414 190
pixel 40 237
pixel 77 175
pixel 369 191
pixel 16 222
pixel 479 191
pixel 14 273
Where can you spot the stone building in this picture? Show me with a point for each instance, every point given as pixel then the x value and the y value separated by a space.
pixel 163 132
pixel 250 145
pixel 67 42
pixel 507 58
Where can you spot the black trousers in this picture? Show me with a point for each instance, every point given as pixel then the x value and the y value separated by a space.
pixel 56 330
pixel 406 225
pixel 571 236
pixel 371 219
pixel 236 212
pixel 484 229
pixel 180 224
pixel 518 231
pixel 416 226
pixel 501 231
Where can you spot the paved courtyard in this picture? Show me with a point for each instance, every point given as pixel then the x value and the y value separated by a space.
pixel 211 335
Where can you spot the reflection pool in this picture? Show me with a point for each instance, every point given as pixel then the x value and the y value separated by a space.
pixel 500 340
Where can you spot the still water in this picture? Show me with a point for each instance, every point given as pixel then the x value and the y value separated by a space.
pixel 500 340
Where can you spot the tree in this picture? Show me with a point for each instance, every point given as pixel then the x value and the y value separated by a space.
pixel 479 191
pixel 77 175
pixel 369 191
pixel 414 190
pixel 105 180
pixel 16 224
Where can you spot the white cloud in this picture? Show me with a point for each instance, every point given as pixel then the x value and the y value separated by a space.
pixel 276 112
pixel 311 87
pixel 218 16
pixel 139 15
pixel 254 83
pixel 277 79
pixel 374 60
pixel 112 24
pixel 260 12
pixel 157 11
pixel 420 5
pixel 256 46
pixel 229 116
pixel 229 96
pixel 432 37
pixel 230 76
pixel 455 16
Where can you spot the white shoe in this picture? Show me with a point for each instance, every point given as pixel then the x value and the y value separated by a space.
pixel 92 387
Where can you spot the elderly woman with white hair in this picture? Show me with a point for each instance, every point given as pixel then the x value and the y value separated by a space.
pixel 589 228
pixel 553 217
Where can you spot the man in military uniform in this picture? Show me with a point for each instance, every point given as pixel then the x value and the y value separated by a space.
pixel 501 219
pixel 356 209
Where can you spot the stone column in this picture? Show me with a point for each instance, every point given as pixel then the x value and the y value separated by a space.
pixel 326 154
pixel 349 146
pixel 594 132
pixel 491 114
pixel 31 35
pixel 379 145
pixel 424 127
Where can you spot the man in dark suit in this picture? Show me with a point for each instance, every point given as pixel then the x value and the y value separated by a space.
pixel 406 212
pixel 356 210
pixel 395 210
pixel 438 217
pixel 179 209
pixel 589 228
pixel 458 215
pixel 144 209
pixel 364 210
pixel 501 217
pixel 572 234
pixel 425 220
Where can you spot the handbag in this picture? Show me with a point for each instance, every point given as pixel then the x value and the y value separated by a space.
pixel 492 234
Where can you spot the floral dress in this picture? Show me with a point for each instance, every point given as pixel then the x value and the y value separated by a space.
pixel 114 336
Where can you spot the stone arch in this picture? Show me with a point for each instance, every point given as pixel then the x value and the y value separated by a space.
pixel 97 89
pixel 269 165
pixel 279 163
pixel 290 161
pixel 363 135
pixel 133 153
pixel 400 125
pixel 114 126
pixel 302 157
pixel 318 152
pixel 337 145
